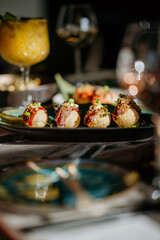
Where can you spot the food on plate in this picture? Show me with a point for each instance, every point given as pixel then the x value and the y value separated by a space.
pixel 87 93
pixel 97 116
pixel 35 115
pixel 84 94
pixel 66 88
pixel 18 84
pixel 67 114
pixel 5 115
pixel 126 112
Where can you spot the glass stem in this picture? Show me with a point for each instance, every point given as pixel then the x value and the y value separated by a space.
pixel 157 150
pixel 77 55
pixel 25 74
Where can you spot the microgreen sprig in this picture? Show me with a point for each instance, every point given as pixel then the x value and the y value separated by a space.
pixel 8 17
pixel 71 100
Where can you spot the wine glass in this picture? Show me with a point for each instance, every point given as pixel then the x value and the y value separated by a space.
pixel 142 78
pixel 24 42
pixel 77 25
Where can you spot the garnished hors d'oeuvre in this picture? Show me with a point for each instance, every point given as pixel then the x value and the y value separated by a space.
pixel 35 115
pixel 87 93
pixel 105 95
pixel 84 94
pixel 67 115
pixel 126 112
pixel 97 116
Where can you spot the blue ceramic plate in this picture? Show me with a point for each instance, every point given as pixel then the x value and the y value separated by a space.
pixel 41 187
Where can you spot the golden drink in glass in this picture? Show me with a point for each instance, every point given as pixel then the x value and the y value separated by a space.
pixel 24 42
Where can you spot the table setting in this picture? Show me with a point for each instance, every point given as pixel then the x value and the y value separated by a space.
pixel 80 151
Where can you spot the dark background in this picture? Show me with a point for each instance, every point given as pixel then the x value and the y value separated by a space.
pixel 113 17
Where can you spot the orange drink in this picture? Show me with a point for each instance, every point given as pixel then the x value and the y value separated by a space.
pixel 24 42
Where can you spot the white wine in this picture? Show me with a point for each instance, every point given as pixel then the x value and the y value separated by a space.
pixel 78 38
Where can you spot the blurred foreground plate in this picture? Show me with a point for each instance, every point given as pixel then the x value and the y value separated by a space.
pixel 25 188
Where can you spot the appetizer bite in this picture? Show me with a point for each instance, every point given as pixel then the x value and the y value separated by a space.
pixel 97 116
pixel 104 95
pixel 35 115
pixel 68 115
pixel 84 94
pixel 126 112
pixel 87 93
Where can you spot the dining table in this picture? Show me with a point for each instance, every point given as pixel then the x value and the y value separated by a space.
pixel 132 214
pixel 71 183
pixel 92 183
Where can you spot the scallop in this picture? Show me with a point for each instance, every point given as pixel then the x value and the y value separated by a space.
pixel 73 120
pixel 100 121
pixel 110 98
pixel 39 120
pixel 128 119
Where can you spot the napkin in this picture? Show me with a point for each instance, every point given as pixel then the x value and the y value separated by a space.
pixel 133 227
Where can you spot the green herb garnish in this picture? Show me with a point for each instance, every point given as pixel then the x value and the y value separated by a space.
pixel 98 101
pixel 71 100
pixel 106 112
pixel 119 99
pixel 106 88
pixel 37 104
pixel 8 17
pixel 27 113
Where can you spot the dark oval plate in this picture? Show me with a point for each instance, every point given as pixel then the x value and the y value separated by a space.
pixel 82 133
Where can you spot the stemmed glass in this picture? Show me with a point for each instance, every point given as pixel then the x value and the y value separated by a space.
pixel 142 77
pixel 77 25
pixel 24 42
